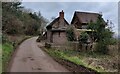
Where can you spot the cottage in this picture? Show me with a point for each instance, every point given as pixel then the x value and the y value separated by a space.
pixel 56 30
pixel 81 20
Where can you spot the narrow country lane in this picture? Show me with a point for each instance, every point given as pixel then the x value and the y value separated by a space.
pixel 30 58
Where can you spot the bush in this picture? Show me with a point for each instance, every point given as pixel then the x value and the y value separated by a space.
pixel 39 39
pixel 70 34
pixel 102 35
pixel 83 37
pixel 5 39
pixel 101 48
pixel 47 45
pixel 113 41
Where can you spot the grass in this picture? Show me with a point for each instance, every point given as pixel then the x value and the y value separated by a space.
pixel 76 60
pixel 99 61
pixel 72 57
pixel 7 50
pixel 0 58
pixel 79 61
pixel 96 61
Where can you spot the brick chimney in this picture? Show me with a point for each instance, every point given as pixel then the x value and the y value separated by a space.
pixel 61 14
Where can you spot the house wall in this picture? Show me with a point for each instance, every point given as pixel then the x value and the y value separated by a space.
pixel 59 38
pixel 56 34
pixel 48 36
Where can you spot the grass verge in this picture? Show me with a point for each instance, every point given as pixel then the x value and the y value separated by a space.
pixel 0 58
pixel 67 56
pixel 6 54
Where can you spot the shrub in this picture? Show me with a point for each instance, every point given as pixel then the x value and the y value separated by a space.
pixel 103 36
pixel 39 39
pixel 70 34
pixel 101 48
pixel 47 45
pixel 5 39
pixel 83 37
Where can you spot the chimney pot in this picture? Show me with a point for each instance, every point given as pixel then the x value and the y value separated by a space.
pixel 61 14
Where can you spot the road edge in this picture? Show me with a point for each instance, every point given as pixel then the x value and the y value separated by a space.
pixel 13 54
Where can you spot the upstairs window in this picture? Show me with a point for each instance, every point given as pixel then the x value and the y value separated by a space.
pixel 84 26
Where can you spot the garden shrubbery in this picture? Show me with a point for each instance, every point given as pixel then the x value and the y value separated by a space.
pixel 70 34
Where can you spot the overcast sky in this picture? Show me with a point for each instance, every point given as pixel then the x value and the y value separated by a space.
pixel 52 9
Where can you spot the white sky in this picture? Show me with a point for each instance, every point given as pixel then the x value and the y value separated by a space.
pixel 70 0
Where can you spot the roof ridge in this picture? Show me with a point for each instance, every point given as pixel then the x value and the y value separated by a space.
pixel 87 12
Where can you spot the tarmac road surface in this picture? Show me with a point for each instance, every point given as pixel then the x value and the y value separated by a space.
pixel 30 58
